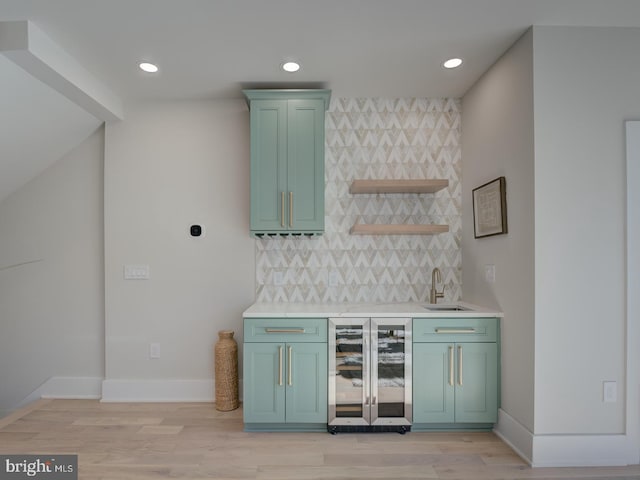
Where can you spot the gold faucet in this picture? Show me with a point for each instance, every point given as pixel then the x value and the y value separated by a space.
pixel 436 277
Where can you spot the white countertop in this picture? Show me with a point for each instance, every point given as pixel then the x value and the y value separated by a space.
pixel 411 309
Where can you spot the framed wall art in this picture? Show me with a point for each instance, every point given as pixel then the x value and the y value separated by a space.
pixel 490 208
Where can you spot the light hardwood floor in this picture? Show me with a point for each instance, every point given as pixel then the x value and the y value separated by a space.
pixel 118 441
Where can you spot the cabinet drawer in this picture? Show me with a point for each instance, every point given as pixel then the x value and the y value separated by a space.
pixel 455 330
pixel 285 330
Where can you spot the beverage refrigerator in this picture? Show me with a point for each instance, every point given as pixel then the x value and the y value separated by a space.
pixel 370 375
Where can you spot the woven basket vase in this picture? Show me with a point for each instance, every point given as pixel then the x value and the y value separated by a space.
pixel 226 371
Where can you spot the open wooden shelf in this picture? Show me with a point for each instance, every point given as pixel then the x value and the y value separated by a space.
pixel 397 229
pixel 397 186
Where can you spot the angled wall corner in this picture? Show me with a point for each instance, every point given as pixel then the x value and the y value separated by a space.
pixel 538 120
pixel 30 48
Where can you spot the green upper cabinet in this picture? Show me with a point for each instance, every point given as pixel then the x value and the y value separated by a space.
pixel 287 160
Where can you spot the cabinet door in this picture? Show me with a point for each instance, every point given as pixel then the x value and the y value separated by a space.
pixel 306 383
pixel 476 381
pixel 305 170
pixel 269 195
pixel 433 378
pixel 263 383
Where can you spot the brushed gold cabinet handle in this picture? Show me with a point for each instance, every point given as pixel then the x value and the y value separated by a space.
pixel 282 209
pixel 290 209
pixel 460 365
pixel 280 366
pixel 451 365
pixel 284 330
pixel 290 381
pixel 449 331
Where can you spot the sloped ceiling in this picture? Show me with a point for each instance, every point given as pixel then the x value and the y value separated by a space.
pixel 49 102
pixel 37 126
pixel 209 49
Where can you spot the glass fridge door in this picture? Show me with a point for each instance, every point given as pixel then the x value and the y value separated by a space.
pixel 349 362
pixel 391 402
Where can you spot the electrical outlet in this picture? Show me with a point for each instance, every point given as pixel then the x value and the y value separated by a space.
pixel 154 350
pixel 333 278
pixel 490 273
pixel 609 392
pixel 278 279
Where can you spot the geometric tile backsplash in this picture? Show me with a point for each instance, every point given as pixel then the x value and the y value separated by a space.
pixel 375 138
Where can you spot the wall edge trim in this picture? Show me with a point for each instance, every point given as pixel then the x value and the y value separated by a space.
pixel 66 387
pixel 516 435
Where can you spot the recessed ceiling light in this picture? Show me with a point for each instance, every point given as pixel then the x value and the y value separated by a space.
pixel 452 63
pixel 291 67
pixel 148 67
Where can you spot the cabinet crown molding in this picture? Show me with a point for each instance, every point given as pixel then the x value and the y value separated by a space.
pixel 288 94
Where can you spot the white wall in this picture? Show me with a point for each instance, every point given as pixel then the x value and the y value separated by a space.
pixel 585 85
pixel 584 88
pixel 633 285
pixel 52 310
pixel 497 140
pixel 167 166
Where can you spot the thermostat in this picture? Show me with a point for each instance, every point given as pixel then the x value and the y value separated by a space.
pixel 196 230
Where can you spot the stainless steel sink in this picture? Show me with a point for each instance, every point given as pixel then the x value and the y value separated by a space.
pixel 446 308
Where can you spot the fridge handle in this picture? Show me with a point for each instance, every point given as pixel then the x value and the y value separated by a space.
pixel 365 371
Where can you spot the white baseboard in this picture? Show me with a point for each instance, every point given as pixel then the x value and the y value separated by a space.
pixel 66 387
pixel 516 435
pixel 124 390
pixel 565 450
pixel 582 451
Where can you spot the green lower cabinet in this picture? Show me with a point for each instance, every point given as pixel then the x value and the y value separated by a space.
pixel 455 383
pixel 263 395
pixel 476 395
pixel 285 386
pixel 433 397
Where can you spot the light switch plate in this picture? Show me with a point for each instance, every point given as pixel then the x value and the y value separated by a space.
pixel 136 272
